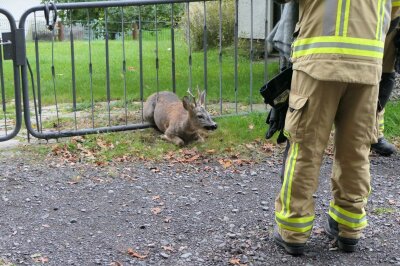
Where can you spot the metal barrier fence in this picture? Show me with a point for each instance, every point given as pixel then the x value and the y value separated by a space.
pixel 11 114
pixel 99 82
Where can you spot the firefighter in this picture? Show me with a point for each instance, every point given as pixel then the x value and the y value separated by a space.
pixel 387 83
pixel 337 65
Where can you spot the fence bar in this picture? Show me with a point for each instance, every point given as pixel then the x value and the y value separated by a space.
pixel 34 96
pixel 105 4
pixel 71 39
pixel 90 67
pixel 189 45
pixel 17 91
pixel 251 54
pixel 236 32
pixel 107 67
pixel 3 92
pixel 124 66
pixel 38 84
pixel 173 49
pixel 266 24
pixel 156 50
pixel 205 47
pixel 53 75
pixel 220 56
pixel 141 59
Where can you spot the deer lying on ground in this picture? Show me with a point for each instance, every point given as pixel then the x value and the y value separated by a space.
pixel 180 120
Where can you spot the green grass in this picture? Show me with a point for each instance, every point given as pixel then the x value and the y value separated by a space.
pixel 392 119
pixel 382 211
pixel 236 136
pixel 61 85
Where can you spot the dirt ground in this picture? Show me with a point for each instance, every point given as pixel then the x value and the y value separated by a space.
pixel 172 213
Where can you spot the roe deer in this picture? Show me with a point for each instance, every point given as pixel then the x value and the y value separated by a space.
pixel 179 120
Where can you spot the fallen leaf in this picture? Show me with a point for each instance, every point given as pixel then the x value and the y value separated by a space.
pixel 168 248
pixel 225 163
pixel 268 147
pixel 133 253
pixel 234 261
pixel 157 197
pixel 38 258
pixel 249 146
pixel 156 210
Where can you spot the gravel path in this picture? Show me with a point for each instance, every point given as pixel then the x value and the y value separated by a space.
pixel 143 213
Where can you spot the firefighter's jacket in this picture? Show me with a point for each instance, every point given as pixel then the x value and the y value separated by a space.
pixel 341 47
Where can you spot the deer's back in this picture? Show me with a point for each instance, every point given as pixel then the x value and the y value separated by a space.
pixel 167 110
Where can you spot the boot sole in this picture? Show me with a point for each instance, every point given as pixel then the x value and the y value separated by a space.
pixel 346 247
pixel 292 250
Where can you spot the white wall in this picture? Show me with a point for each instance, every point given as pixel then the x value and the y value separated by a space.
pixel 18 7
pixel 259 10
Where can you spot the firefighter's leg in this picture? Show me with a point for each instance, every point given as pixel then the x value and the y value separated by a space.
pixel 384 147
pixel 308 125
pixel 355 130
pixel 285 154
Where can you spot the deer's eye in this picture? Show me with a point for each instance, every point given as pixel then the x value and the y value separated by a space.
pixel 200 116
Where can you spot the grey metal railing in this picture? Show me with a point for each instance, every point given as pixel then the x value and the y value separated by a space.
pixel 10 91
pixel 95 85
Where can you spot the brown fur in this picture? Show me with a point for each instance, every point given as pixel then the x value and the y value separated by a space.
pixel 179 120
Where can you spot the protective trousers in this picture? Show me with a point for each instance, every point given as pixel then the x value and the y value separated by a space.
pixel 314 107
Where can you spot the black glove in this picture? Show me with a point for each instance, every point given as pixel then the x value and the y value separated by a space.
pixel 276 122
pixel 386 86
pixel 397 45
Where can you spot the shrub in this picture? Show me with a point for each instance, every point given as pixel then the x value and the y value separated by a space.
pixel 196 24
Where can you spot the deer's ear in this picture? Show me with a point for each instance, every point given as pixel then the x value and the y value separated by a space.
pixel 186 103
pixel 202 98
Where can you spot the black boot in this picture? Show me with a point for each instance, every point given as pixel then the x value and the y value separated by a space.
pixel 332 230
pixel 291 248
pixel 383 147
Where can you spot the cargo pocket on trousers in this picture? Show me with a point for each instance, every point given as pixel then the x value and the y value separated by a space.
pixel 294 124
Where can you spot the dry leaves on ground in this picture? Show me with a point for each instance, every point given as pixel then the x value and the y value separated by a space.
pixel 39 258
pixel 133 253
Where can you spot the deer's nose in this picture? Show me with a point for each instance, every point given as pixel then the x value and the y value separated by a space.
pixel 212 127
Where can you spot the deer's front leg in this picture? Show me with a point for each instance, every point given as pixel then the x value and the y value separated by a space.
pixel 198 137
pixel 173 138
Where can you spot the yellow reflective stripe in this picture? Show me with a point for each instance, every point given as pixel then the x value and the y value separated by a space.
pixel 340 39
pixel 286 134
pixel 382 124
pixel 395 3
pixel 338 16
pixel 340 220
pixel 379 21
pixel 347 213
pixel 339 45
pixel 296 148
pixel 288 179
pixel 302 224
pixel 352 220
pixel 337 51
pixel 346 18
pixel 381 15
